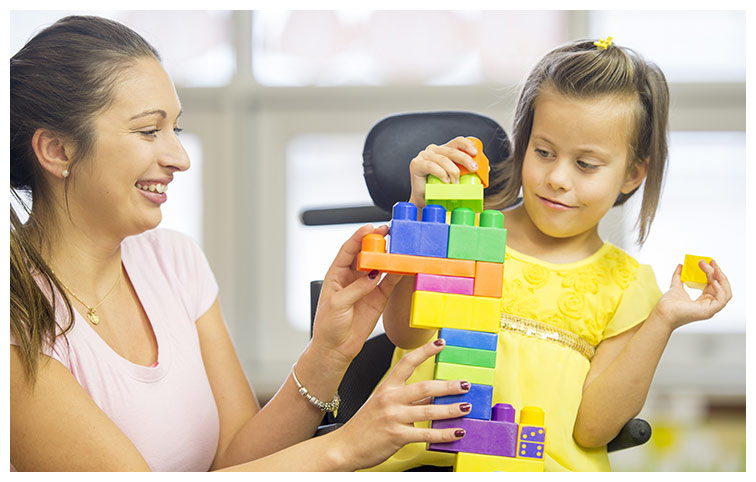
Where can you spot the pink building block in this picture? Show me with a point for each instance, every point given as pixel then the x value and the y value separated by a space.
pixel 445 284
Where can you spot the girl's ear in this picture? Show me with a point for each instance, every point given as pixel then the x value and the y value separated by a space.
pixel 635 176
pixel 51 153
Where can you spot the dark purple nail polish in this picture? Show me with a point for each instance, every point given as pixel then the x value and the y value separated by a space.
pixel 373 274
pixel 464 385
pixel 439 342
pixel 459 433
pixel 465 407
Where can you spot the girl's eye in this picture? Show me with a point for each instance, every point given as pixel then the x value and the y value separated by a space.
pixel 587 166
pixel 542 153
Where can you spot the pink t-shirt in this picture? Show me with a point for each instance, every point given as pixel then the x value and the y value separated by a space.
pixel 168 410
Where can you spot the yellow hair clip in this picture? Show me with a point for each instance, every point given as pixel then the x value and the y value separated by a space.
pixel 603 44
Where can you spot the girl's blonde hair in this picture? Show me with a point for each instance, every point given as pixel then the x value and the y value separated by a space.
pixel 581 70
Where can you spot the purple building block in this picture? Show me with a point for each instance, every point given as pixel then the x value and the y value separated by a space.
pixel 488 437
pixel 428 237
pixel 444 284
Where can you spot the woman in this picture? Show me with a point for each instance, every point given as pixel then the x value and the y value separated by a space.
pixel 120 359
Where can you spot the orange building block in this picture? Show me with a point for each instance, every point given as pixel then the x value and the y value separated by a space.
pixel 484 166
pixel 374 256
pixel 489 278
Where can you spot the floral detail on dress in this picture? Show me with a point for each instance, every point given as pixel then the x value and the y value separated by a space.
pixel 536 275
pixel 572 304
pixel 518 299
pixel 586 279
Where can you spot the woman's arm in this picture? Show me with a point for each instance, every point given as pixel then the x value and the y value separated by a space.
pixel 56 426
pixel 623 367
pixel 381 427
pixel 349 307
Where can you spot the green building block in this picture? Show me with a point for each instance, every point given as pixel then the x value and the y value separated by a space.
pixel 461 355
pixel 486 242
pixel 468 193
pixel 451 371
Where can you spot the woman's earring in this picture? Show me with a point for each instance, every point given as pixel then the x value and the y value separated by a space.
pixel 65 173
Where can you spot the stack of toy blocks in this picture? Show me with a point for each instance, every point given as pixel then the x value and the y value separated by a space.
pixel 459 269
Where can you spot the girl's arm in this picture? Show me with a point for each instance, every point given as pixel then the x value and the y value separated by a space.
pixel 440 162
pixel 618 381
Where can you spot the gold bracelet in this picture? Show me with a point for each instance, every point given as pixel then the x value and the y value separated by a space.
pixel 332 406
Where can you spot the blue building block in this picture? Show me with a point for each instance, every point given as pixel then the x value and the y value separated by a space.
pixel 427 237
pixel 469 339
pixel 480 396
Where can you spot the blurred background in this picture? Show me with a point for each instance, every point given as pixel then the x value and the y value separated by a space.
pixel 277 105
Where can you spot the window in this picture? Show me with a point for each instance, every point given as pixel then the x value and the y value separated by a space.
pixel 702 212
pixel 322 170
pixel 193 60
pixel 689 46
pixel 431 47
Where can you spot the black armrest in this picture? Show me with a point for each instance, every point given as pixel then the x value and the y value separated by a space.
pixel 635 432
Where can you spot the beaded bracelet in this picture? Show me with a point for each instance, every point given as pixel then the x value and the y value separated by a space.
pixel 332 406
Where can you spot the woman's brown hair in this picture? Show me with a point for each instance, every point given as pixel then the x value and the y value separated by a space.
pixel 59 81
pixel 581 70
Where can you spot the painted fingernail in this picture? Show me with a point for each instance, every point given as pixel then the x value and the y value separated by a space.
pixel 459 433
pixel 373 274
pixel 465 407
pixel 439 342
pixel 464 385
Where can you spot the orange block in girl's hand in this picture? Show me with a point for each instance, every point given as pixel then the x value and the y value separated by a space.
pixel 484 166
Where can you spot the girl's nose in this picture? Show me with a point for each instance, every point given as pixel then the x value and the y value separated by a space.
pixel 557 176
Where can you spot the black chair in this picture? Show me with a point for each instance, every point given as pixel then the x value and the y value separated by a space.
pixel 389 147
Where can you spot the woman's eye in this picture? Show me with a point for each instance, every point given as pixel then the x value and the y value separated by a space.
pixel 542 153
pixel 150 132
pixel 177 130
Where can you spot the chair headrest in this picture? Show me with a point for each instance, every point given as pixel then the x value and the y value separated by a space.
pixel 395 140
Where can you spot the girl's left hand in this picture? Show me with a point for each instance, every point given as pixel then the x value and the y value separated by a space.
pixel 677 307
pixel 350 302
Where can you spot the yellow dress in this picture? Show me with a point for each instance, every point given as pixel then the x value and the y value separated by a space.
pixel 553 316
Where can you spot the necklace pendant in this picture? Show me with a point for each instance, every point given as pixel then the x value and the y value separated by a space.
pixel 93 318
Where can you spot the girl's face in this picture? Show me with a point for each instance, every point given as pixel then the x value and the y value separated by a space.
pixel 576 162
pixel 120 186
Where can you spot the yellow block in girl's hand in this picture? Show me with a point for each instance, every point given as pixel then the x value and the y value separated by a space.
pixel 692 275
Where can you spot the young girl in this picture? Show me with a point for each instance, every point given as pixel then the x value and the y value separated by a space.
pixel 583 324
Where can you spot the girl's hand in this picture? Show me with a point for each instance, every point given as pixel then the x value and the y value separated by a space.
pixel 678 309
pixel 350 303
pixel 439 161
pixel 386 422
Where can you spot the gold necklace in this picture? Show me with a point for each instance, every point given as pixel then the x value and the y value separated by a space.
pixel 91 310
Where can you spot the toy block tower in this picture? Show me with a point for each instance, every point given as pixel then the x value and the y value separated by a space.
pixel 458 269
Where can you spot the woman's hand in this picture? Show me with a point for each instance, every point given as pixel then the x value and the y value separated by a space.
pixel 439 161
pixel 386 422
pixel 350 302
pixel 677 308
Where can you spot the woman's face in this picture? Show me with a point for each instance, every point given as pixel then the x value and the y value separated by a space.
pixel 121 185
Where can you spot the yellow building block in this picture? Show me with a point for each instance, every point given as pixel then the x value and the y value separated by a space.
pixel 452 371
pixel 449 310
pixel 465 462
pixel 692 275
